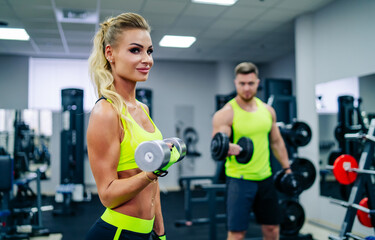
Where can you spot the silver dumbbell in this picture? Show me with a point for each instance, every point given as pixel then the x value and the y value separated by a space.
pixel 179 144
pixel 155 155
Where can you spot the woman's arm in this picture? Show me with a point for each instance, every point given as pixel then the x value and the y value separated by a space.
pixel 103 145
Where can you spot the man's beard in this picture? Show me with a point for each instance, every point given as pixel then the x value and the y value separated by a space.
pixel 246 98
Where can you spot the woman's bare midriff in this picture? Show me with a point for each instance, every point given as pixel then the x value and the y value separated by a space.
pixel 143 204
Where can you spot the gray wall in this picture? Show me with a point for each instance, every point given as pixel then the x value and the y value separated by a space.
pixel 284 67
pixel 14 81
pixel 334 43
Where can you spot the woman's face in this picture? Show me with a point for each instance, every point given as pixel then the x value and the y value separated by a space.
pixel 132 57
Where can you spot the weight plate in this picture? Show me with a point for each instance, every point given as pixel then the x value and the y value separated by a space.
pixel 364 218
pixel 301 134
pixel 293 217
pixel 219 146
pixel 247 150
pixel 306 169
pixel 152 155
pixel 340 167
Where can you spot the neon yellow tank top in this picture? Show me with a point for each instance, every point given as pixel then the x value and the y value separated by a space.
pixel 255 125
pixel 127 147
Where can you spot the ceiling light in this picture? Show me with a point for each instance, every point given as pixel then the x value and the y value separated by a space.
pixel 14 34
pixel 216 2
pixel 177 41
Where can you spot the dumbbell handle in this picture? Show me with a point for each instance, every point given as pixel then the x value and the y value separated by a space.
pixel 365 171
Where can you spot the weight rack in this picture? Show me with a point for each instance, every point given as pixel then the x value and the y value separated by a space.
pixel 361 185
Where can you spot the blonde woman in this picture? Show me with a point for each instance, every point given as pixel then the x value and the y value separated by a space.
pixel 121 57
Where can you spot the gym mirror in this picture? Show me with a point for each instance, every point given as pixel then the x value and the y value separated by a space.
pixel 343 106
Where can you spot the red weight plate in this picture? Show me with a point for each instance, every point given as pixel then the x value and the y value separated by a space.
pixel 340 167
pixel 364 218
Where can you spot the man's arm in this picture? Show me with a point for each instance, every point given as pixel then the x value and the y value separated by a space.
pixel 277 143
pixel 222 122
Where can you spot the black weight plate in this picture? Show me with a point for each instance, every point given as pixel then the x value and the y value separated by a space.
pixel 306 169
pixel 247 150
pixel 301 134
pixel 219 146
pixel 293 217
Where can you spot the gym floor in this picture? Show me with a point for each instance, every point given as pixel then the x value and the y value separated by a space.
pixel 74 227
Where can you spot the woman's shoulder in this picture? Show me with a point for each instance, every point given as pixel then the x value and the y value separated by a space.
pixel 103 110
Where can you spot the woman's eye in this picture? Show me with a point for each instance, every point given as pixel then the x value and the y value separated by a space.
pixel 134 50
pixel 150 51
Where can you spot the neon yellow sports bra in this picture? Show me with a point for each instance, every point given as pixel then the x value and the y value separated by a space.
pixel 128 147
pixel 139 135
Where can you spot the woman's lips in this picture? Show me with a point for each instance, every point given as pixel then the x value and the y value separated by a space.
pixel 143 70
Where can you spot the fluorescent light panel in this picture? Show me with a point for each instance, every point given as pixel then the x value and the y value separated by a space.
pixel 177 41
pixel 14 34
pixel 216 2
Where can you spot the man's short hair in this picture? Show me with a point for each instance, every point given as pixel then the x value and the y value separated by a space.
pixel 246 68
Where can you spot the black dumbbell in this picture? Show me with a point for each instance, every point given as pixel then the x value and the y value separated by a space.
pixel 156 155
pixel 220 147
pixel 289 184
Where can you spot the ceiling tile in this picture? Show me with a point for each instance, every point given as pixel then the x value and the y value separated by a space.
pixel 279 15
pixel 16 46
pixel 160 19
pixel 74 4
pixel 34 12
pixel 52 48
pixel 206 10
pixel 5 11
pixel 261 26
pixel 121 6
pixel 47 41
pixel 35 33
pixel 238 12
pixel 163 6
pixel 201 22
pixel 79 36
pixel 227 24
pixel 305 5
pixel 41 25
pixel 257 3
pixel 214 34
pixel 78 27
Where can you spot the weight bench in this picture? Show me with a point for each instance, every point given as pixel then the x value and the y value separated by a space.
pixel 214 193
pixel 66 190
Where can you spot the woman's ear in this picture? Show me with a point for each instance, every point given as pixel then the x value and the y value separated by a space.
pixel 108 52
